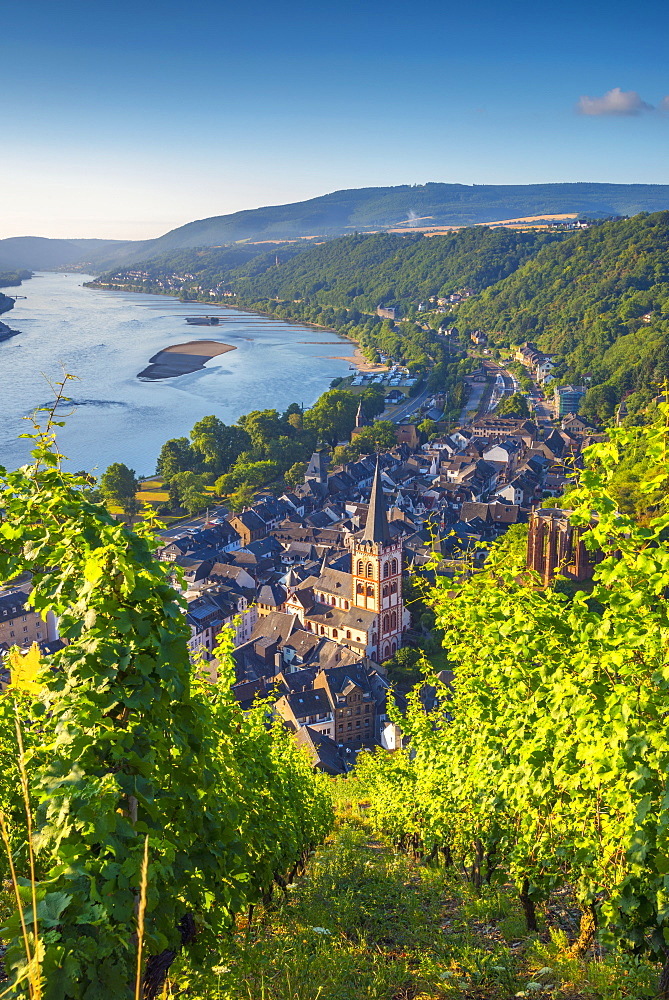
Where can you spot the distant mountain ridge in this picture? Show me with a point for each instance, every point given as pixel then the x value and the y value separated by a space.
pixel 39 253
pixel 342 212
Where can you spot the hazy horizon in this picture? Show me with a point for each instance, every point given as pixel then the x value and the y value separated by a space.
pixel 124 123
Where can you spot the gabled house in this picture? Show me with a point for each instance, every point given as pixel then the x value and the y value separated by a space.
pixel 248 526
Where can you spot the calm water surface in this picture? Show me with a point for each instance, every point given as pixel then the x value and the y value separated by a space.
pixel 106 338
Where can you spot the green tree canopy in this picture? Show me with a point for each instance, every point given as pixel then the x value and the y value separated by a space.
pixel 513 406
pixel 295 474
pixel 176 455
pixel 217 443
pixel 118 483
pixel 263 427
pixel 332 417
pixel 373 401
pixel 381 436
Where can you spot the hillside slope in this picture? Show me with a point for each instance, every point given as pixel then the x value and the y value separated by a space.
pixel 449 204
pixel 362 271
pixel 599 299
pixel 358 271
pixel 341 212
pixel 37 253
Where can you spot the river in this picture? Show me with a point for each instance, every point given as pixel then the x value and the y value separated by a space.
pixel 106 338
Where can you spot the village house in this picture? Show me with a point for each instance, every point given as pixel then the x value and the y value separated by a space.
pixel 21 625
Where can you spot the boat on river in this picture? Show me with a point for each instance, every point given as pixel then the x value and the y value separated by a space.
pixel 203 320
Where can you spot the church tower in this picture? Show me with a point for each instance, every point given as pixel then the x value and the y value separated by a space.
pixel 360 418
pixel 377 575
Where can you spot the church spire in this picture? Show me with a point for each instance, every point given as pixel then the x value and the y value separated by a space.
pixel 376 528
pixel 360 418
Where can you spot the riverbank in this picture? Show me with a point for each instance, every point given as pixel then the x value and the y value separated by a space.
pixel 359 360
pixel 6 332
pixel 106 340
pixel 12 279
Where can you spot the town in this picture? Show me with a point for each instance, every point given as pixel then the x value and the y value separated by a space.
pixel 311 584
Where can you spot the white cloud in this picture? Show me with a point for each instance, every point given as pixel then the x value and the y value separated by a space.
pixel 664 104
pixel 614 102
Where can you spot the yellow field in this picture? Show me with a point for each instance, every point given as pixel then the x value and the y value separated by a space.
pixel 152 496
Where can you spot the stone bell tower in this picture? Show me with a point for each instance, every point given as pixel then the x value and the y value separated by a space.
pixel 376 565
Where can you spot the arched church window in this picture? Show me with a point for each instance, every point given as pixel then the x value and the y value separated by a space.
pixel 386 569
pixel 370 570
pixel 386 623
pixel 348 633
pixel 370 591
pixel 394 566
pixel 385 591
pixel 393 588
pixel 393 649
pixel 360 567
pixel 335 633
pixel 393 621
pixel 360 588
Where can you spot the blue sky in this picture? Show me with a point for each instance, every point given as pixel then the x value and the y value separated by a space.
pixel 125 120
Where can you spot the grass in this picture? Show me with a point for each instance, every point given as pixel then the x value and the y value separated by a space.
pixel 367 924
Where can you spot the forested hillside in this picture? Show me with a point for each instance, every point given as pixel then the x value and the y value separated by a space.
pixel 362 271
pixel 354 272
pixel 600 300
pixel 9 279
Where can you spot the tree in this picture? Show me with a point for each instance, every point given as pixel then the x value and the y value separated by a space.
pixel 225 484
pixel 373 401
pixel 217 443
pixel 254 473
pixel 176 455
pixel 332 417
pixel 291 410
pixel 427 427
pixel 182 484
pixel 295 474
pixel 381 436
pixel 263 427
pixel 404 666
pixel 118 484
pixel 131 506
pixel 194 501
pixel 513 406
pixel 599 404
pixel 241 498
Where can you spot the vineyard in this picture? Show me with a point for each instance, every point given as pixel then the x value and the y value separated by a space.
pixel 154 832
pixel 546 764
pixel 154 811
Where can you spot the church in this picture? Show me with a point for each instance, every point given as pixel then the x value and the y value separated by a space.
pixel 362 609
